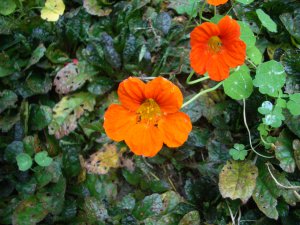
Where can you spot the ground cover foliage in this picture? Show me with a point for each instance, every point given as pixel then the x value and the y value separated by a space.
pixel 240 164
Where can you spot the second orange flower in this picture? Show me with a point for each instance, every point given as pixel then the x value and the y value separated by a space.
pixel 215 48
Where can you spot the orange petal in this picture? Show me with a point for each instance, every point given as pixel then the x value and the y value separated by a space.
pixel 234 54
pixel 198 59
pixel 166 94
pixel 118 121
pixel 175 128
pixel 144 139
pixel 202 33
pixel 217 68
pixel 131 93
pixel 229 30
pixel 216 2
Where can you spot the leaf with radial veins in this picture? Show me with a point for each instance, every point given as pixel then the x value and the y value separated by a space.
pixel 239 84
pixel 266 20
pixel 270 78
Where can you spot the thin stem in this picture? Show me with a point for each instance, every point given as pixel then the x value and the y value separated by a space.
pixel 201 93
pixel 195 81
pixel 215 10
pixel 249 61
pixel 279 184
pixel 201 13
pixel 231 214
pixel 249 133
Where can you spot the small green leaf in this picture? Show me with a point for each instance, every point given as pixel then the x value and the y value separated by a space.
pixel 43 159
pixel 96 8
pixel 245 2
pixel 254 55
pixel 270 78
pixel 24 161
pixel 191 218
pixel 190 7
pixel 275 118
pixel 7 7
pixel 247 34
pixel 151 205
pixel 237 180
pixel 37 54
pixel 8 99
pixel 40 116
pixel 239 84
pixel 238 152
pixel 294 104
pixel 284 152
pixel 266 20
pixel 266 108
pixel 142 52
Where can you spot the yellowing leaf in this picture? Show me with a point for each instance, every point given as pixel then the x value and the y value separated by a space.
pixel 52 10
pixel 101 161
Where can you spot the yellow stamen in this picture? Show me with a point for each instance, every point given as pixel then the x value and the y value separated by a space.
pixel 215 44
pixel 149 111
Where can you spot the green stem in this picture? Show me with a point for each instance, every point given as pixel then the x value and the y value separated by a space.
pixel 188 80
pixel 249 133
pixel 249 61
pixel 201 93
pixel 201 12
pixel 215 10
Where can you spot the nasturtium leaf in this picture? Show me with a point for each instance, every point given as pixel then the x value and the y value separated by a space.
pixel 151 205
pixel 270 78
pixel 239 84
pixel 94 7
pixel 127 202
pixel 40 116
pixel 245 2
pixel 29 143
pixel 170 200
pixel 247 34
pixel 266 20
pixel 266 108
pixel 100 85
pixel 52 10
pixel 7 7
pixel 263 129
pixel 191 218
pixel 8 99
pixel 56 55
pixel 8 121
pixel 190 7
pixel 294 104
pixel 38 84
pixel 254 55
pixel 281 103
pixel 24 161
pixel 284 152
pixel 68 110
pixel 37 54
pixel 238 152
pixel 42 159
pixel 266 193
pixel 296 148
pixel 237 180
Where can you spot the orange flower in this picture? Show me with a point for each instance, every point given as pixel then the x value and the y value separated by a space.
pixel 216 2
pixel 148 116
pixel 217 47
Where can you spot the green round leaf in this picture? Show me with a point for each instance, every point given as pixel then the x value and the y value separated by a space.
pixel 293 104
pixel 245 2
pixel 237 180
pixel 254 55
pixel 266 20
pixel 239 84
pixel 24 161
pixel 266 108
pixel 191 218
pixel 43 159
pixel 270 78
pixel 7 7
pixel 247 35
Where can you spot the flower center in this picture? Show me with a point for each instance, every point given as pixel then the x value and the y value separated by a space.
pixel 215 44
pixel 149 111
